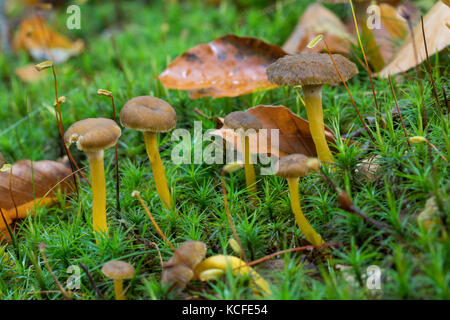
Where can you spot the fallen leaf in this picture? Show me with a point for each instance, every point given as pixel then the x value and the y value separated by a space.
pixel 29 74
pixel 319 20
pixel 226 67
pixel 179 270
pixel 43 43
pixel 294 134
pixel 30 182
pixel 437 35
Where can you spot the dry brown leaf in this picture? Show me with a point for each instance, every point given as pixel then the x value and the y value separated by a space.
pixel 43 43
pixel 294 134
pixel 29 73
pixel 314 21
pixel 226 67
pixel 30 182
pixel 179 270
pixel 437 35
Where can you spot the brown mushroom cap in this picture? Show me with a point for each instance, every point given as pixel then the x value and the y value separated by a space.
pixel 296 165
pixel 93 134
pixel 118 270
pixel 310 69
pixel 191 252
pixel 146 113
pixel 244 120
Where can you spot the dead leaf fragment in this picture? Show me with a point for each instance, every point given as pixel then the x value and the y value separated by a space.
pixel 319 20
pixel 437 36
pixel 179 270
pixel 29 183
pixel 294 134
pixel 226 67
pixel 29 74
pixel 44 43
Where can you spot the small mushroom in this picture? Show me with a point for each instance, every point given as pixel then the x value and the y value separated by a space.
pixel 243 121
pixel 92 136
pixel 118 271
pixel 292 167
pixel 151 115
pixel 179 270
pixel 209 269
pixel 312 71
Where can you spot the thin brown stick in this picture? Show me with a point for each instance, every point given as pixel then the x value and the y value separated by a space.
pixel 92 282
pixel 310 247
pixel 348 91
pixel 429 68
pixel 398 110
pixel 65 294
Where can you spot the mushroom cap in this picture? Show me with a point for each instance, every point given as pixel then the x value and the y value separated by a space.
pixel 192 253
pixel 146 113
pixel 310 69
pixel 118 270
pixel 296 165
pixel 93 134
pixel 244 120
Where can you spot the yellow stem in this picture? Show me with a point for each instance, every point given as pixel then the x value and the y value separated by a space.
pixel 98 191
pixel 313 105
pixel 237 265
pixel 250 177
pixel 310 234
pixel 159 174
pixel 118 290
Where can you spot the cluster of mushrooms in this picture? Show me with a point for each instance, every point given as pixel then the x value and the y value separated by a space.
pixel 152 115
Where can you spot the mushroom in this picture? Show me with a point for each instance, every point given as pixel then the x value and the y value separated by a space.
pixel 209 269
pixel 312 71
pixel 151 115
pixel 92 136
pixel 118 271
pixel 292 167
pixel 373 52
pixel 179 270
pixel 243 121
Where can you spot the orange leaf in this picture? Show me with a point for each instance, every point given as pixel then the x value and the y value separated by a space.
pixel 226 67
pixel 43 43
pixel 437 35
pixel 314 21
pixel 32 183
pixel 294 134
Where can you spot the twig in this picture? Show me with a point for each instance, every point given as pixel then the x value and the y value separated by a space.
pixel 91 281
pixel 65 294
pixel 398 110
pixel 348 91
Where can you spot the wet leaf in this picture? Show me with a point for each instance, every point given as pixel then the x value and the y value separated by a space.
pixel 44 43
pixel 294 134
pixel 30 182
pixel 318 20
pixel 179 270
pixel 226 67
pixel 437 35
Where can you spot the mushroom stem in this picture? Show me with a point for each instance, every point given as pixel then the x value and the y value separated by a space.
pixel 159 174
pixel 313 105
pixel 222 262
pixel 118 289
pixel 250 177
pixel 310 234
pixel 98 191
